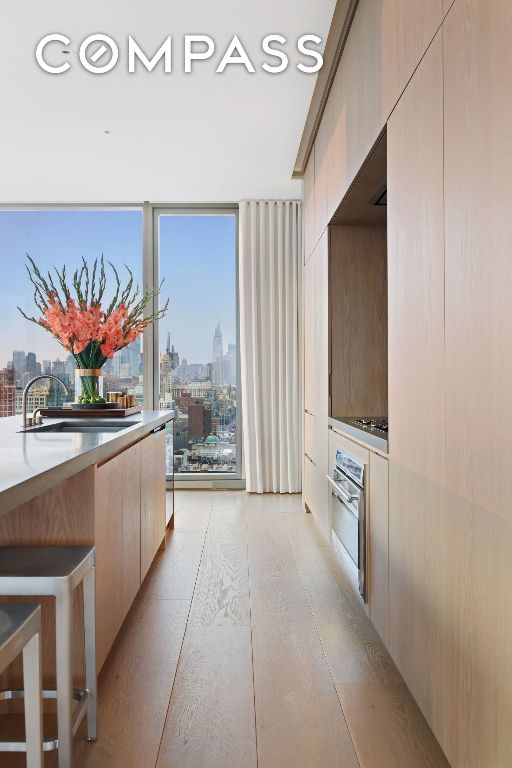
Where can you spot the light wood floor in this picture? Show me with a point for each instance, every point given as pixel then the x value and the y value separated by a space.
pixel 247 647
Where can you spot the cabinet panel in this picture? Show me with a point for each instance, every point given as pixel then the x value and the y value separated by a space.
pixel 309 483
pixel 419 564
pixel 354 112
pixel 108 536
pixel 321 373
pixel 378 546
pixel 321 176
pixel 310 436
pixel 408 27
pixel 309 208
pixel 478 226
pixel 152 498
pixel 130 463
pixel 309 337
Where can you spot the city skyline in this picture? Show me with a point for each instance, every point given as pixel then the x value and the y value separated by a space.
pixel 54 238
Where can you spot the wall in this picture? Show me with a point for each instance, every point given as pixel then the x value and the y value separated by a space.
pixel 440 75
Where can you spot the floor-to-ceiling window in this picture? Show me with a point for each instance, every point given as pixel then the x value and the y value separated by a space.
pixel 55 238
pixel 198 339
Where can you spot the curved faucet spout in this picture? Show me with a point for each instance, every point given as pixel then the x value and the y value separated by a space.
pixel 26 390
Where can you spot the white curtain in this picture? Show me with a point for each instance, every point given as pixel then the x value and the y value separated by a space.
pixel 270 248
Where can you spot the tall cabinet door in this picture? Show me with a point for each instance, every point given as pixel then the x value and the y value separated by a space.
pixel 478 225
pixel 309 337
pixel 418 576
pixel 152 519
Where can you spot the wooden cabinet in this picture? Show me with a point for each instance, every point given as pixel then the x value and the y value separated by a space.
pixel 309 483
pixel 378 545
pixel 129 526
pixel 310 436
pixel 408 27
pixel 309 315
pixel 316 382
pixel 478 233
pixel 419 564
pixel 321 177
pixel 354 114
pixel 152 519
pixel 309 215
pixel 117 540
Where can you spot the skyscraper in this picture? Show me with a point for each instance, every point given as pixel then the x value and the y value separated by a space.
pixel 31 364
pixel 18 363
pixel 217 361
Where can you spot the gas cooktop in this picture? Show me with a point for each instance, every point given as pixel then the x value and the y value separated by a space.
pixel 369 429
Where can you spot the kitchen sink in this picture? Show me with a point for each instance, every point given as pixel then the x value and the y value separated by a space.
pixel 84 426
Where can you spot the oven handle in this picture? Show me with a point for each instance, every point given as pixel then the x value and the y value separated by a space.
pixel 338 491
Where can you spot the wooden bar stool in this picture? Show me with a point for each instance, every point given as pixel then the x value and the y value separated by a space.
pixel 20 632
pixel 56 572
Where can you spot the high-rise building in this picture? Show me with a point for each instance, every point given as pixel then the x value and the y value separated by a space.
pixel 47 366
pixel 230 365
pixel 135 358
pixel 7 393
pixel 18 362
pixel 217 357
pixel 199 420
pixel 58 367
pixel 31 365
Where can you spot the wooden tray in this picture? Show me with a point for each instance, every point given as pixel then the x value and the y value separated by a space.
pixel 89 413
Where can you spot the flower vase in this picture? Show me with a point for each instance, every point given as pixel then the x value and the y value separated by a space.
pixel 89 386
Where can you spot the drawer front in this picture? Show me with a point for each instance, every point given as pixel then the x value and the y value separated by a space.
pixel 310 436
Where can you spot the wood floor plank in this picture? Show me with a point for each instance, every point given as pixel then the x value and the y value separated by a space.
pixel 386 725
pixel 298 716
pixel 173 573
pixel 210 723
pixel 192 510
pixel 135 687
pixel 221 596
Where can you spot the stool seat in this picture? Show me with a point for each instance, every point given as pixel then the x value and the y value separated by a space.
pixel 43 562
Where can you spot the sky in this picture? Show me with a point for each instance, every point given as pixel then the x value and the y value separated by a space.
pixel 197 254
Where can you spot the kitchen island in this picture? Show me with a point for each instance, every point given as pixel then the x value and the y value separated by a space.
pixel 78 482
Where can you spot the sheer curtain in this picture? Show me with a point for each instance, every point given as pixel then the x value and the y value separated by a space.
pixel 269 278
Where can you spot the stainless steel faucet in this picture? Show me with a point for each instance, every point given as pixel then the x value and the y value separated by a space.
pixel 25 392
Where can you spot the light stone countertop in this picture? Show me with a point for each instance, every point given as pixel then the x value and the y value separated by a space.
pixel 33 462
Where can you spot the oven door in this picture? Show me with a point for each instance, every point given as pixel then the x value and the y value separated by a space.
pixel 349 524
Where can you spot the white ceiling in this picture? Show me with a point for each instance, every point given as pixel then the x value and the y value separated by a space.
pixel 203 137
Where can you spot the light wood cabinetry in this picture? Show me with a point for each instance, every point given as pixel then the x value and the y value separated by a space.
pixel 477 623
pixel 309 213
pixel 419 563
pixel 321 176
pixel 117 534
pixel 310 436
pixel 310 400
pixel 316 383
pixel 152 515
pixel 408 27
pixel 354 117
pixel 378 545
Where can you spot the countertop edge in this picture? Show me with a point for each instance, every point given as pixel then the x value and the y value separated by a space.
pixel 344 429
pixel 30 488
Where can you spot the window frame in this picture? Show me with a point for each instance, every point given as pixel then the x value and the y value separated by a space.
pixel 199 479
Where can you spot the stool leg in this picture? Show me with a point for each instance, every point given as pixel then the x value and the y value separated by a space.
pixel 32 683
pixel 64 648
pixel 90 653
